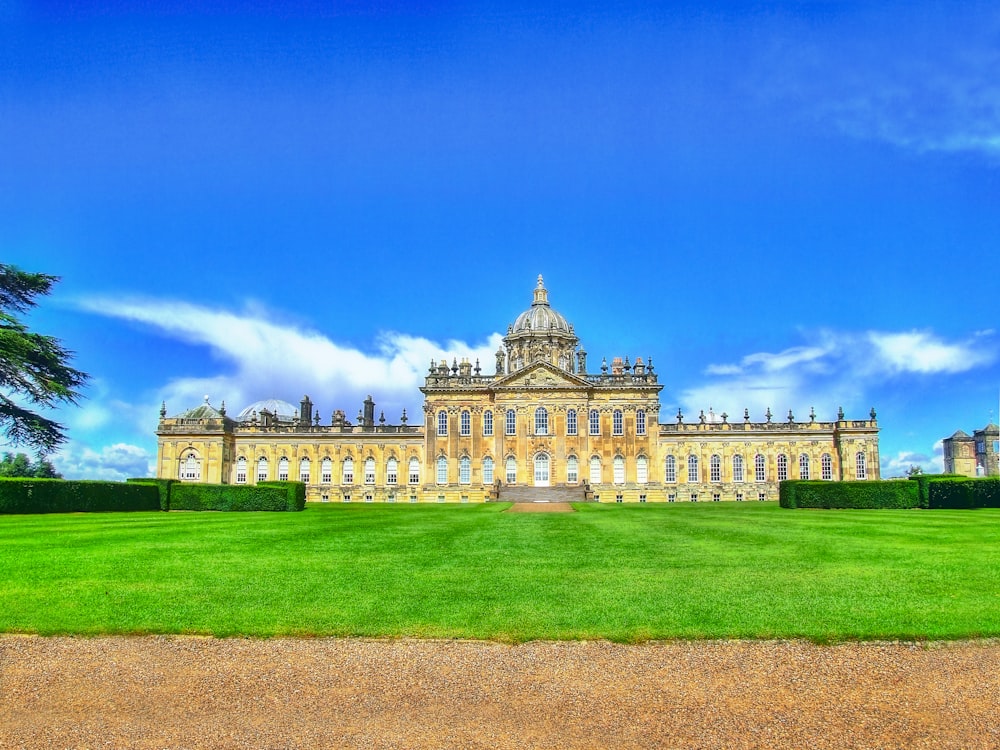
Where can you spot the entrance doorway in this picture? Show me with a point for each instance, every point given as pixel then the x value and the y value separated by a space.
pixel 542 470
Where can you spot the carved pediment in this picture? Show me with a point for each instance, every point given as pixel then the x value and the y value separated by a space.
pixel 541 375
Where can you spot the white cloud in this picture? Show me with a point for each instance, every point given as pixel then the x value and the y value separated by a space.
pixel 900 464
pixel 920 352
pixel 112 462
pixel 267 359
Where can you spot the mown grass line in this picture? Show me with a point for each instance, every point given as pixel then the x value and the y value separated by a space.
pixel 625 573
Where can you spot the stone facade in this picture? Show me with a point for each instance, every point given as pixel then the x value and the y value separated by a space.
pixel 972 455
pixel 540 420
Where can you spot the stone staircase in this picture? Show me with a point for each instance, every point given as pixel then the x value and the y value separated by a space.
pixel 522 494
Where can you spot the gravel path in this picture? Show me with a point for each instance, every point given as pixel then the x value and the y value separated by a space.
pixel 181 692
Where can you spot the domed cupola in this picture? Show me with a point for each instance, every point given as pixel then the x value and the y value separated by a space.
pixel 539 334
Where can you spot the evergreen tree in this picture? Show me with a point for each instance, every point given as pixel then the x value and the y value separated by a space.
pixel 33 368
pixel 21 466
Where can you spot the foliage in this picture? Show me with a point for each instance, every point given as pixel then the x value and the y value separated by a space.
pixel 22 466
pixel 924 482
pixel 964 492
pixel 622 572
pixel 20 495
pixel 162 487
pixel 33 367
pixel 858 494
pixel 269 496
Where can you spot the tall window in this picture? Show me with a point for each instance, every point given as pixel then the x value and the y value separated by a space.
pixel 618 422
pixel 571 422
pixel 826 467
pixel 487 470
pixel 414 471
pixel 442 422
pixel 510 423
pixel 442 470
pixel 693 468
pixel 348 473
pixel 670 470
pixel 326 471
pixel 737 468
pixel 541 421
pixel 283 469
pixel 861 462
pixel 641 470
pixel 715 468
pixel 782 467
pixel 241 470
pixel 595 470
pixel 465 423
pixel 369 470
pixel 487 422
pixel 640 422
pixel 391 471
pixel 304 466
pixel 572 470
pixel 464 470
pixel 803 466
pixel 760 468
pixel 595 422
pixel 190 469
pixel 511 470
pixel 618 466
pixel 262 469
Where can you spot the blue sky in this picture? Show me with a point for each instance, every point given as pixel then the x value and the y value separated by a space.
pixel 786 205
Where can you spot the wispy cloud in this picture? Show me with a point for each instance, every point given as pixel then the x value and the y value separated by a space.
pixel 114 463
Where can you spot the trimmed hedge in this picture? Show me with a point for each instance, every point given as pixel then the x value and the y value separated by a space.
pixel 857 494
pixel 965 492
pixel 21 495
pixel 269 496
pixel 924 481
pixel 162 487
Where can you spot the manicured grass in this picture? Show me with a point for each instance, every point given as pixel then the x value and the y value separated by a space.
pixel 626 573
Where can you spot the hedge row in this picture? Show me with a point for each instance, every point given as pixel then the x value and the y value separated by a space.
pixel 927 491
pixel 21 495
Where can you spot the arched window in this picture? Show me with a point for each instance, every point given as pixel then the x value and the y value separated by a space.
pixel 304 466
pixel 640 422
pixel 262 469
pixel 464 470
pixel 617 422
pixel 803 466
pixel 693 468
pixel 595 422
pixel 737 468
pixel 595 469
pixel 542 470
pixel 571 422
pixel 826 467
pixel 442 470
pixel 414 471
pixel 641 470
pixel 511 470
pixel 488 422
pixel 348 474
pixel 670 470
pixel 369 470
pixel 282 469
pixel 618 467
pixel 241 470
pixel 861 462
pixel 487 470
pixel 541 421
pixel 326 471
pixel 760 468
pixel 465 423
pixel 715 468
pixel 442 422
pixel 510 422
pixel 782 467
pixel 572 470
pixel 392 471
pixel 191 467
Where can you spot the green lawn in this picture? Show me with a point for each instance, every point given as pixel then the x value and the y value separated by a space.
pixel 626 573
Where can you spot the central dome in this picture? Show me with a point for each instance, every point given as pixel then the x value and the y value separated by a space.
pixel 540 317
pixel 280 410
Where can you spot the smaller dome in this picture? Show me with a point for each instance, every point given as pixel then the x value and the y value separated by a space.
pixel 540 317
pixel 282 410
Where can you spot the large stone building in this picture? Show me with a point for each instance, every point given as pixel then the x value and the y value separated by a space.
pixel 539 421
pixel 973 455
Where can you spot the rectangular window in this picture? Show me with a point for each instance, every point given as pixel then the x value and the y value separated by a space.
pixel 572 470
pixel 511 422
pixel 640 422
pixel 618 423
pixel 465 426
pixel 671 498
pixel 642 498
pixel 618 498
pixel 716 497
pixel 715 469
pixel 595 422
pixel 413 498
pixel 694 497
pixel 488 423
pixel 760 467
pixel 670 472
pixel 464 470
pixel 442 423
pixel 571 422
pixel 761 497
pixel 241 476
pixel 739 497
